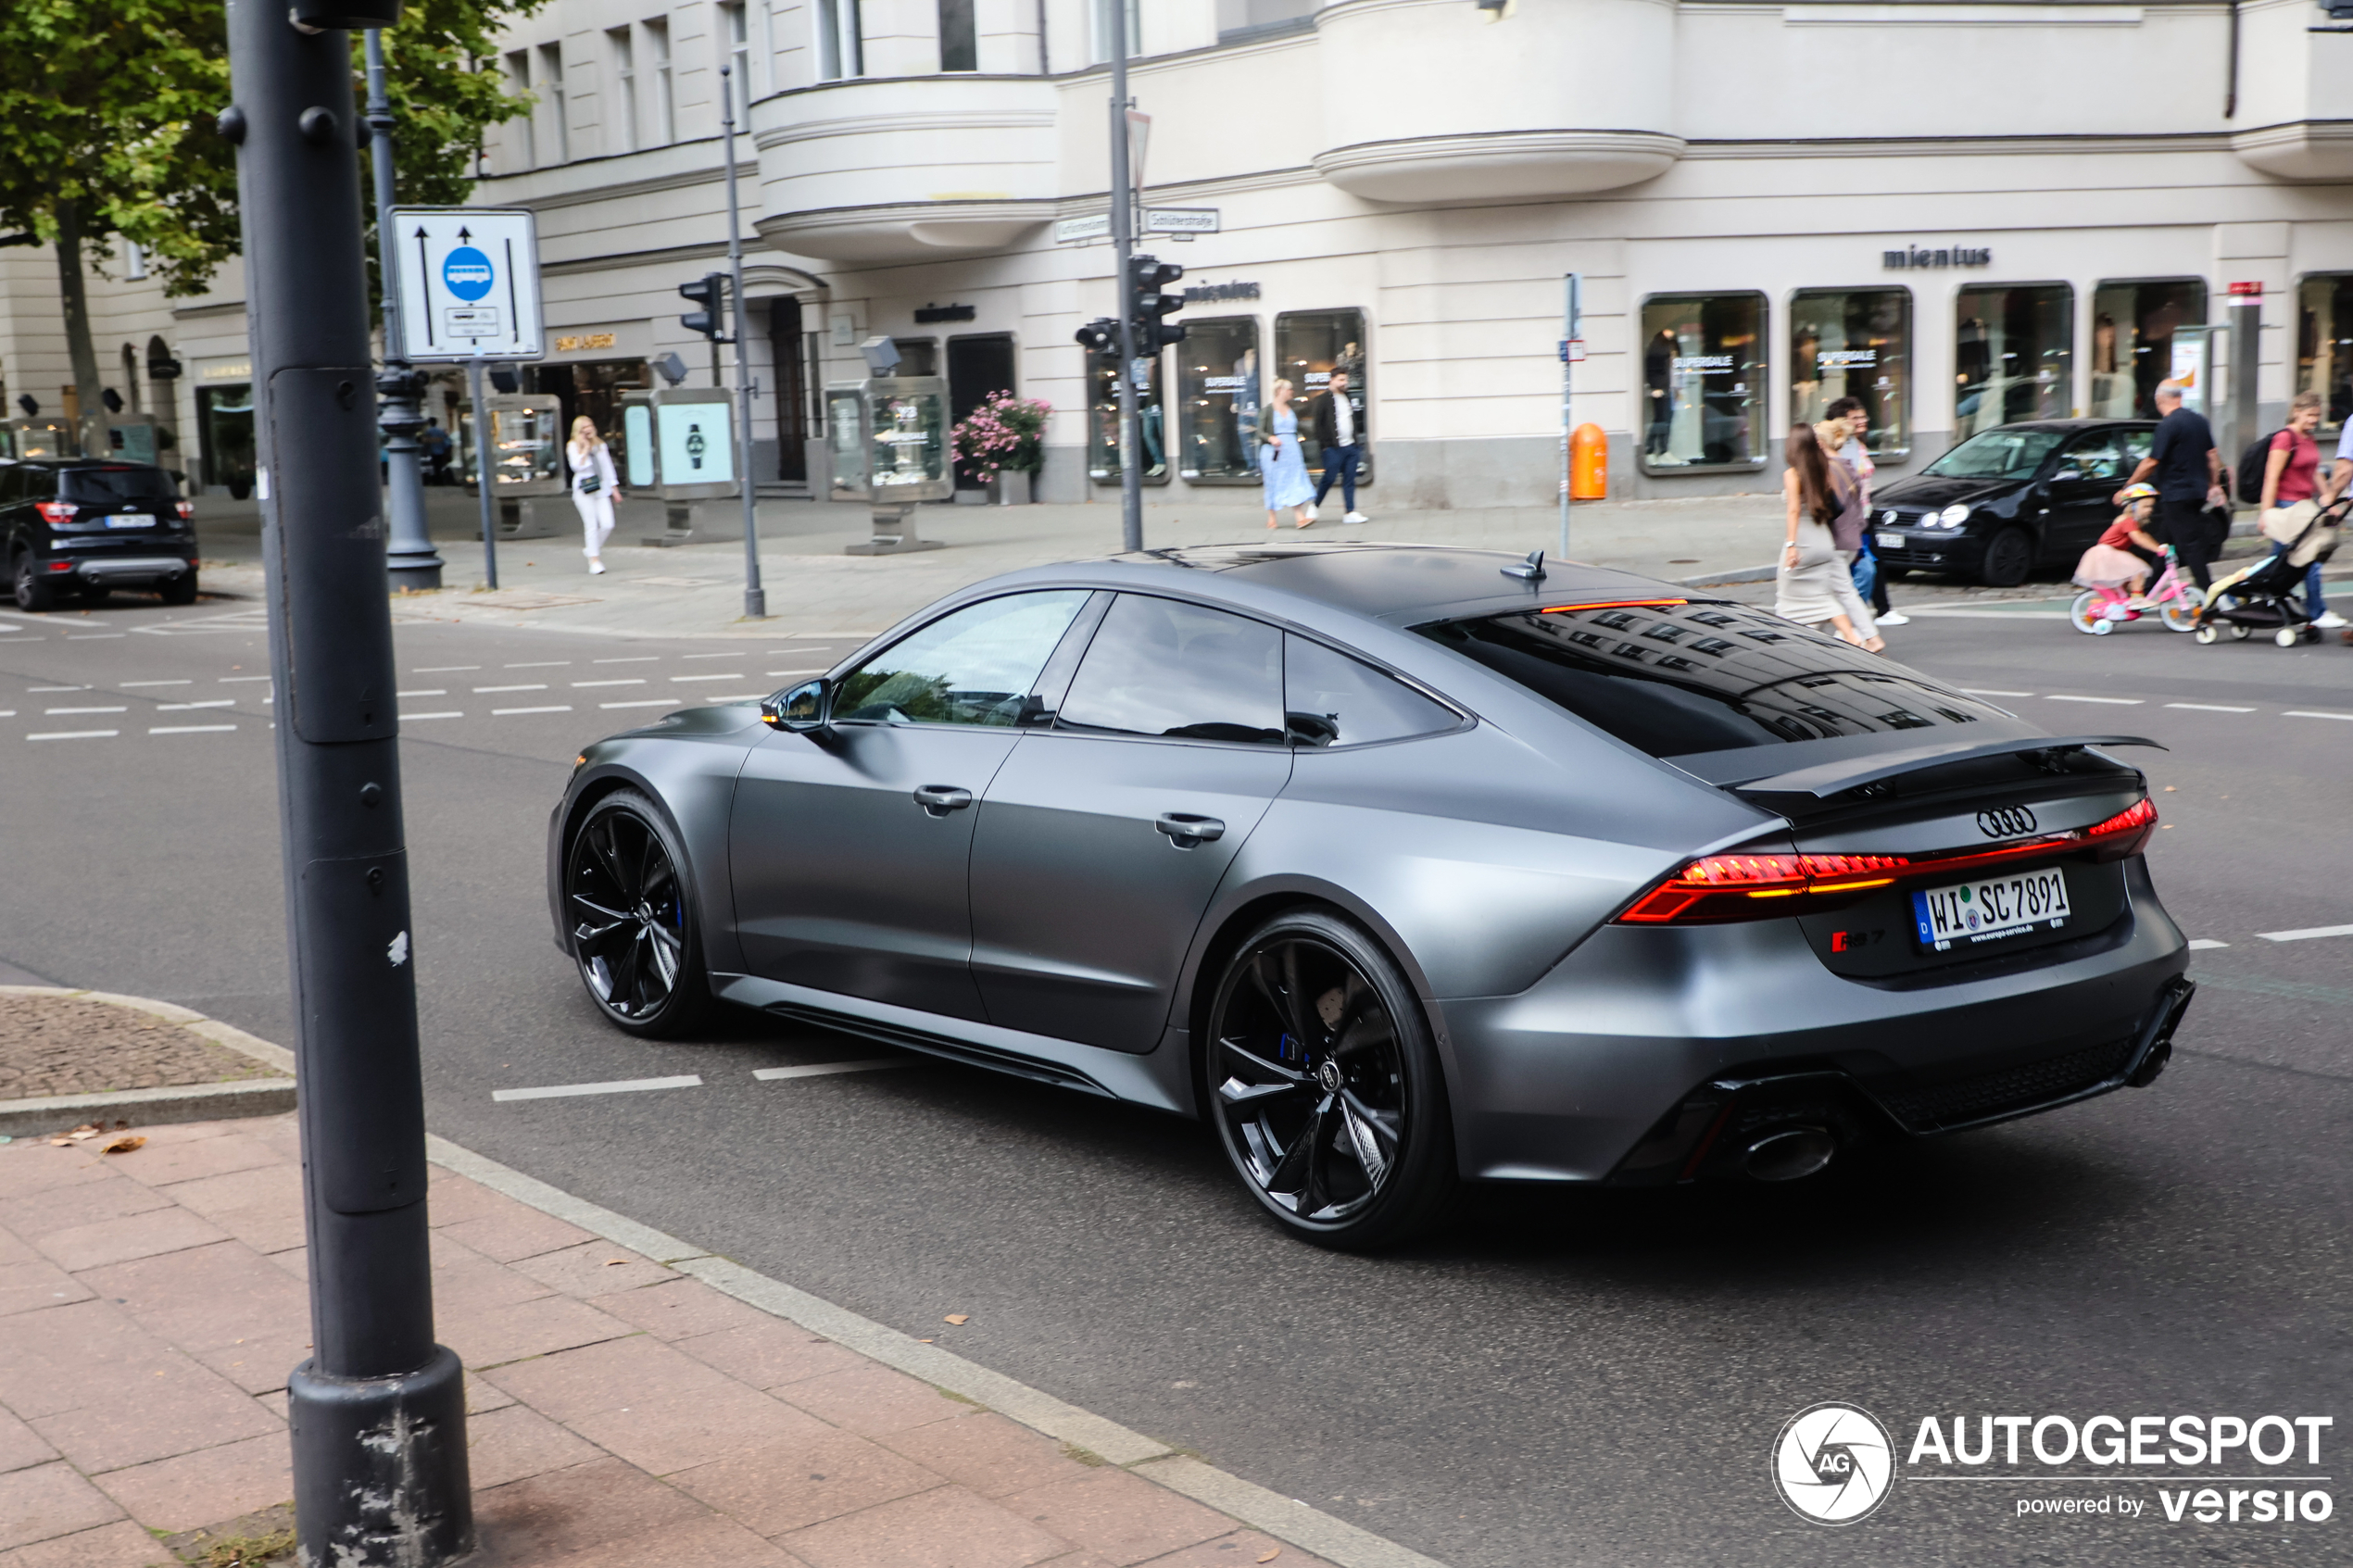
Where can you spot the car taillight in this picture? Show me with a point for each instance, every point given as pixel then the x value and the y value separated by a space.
pixel 187 510
pixel 56 511
pixel 1715 889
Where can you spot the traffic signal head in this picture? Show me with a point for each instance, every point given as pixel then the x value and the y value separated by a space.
pixel 1147 277
pixel 706 292
pixel 1099 336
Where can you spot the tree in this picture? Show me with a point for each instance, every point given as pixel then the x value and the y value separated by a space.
pixel 107 111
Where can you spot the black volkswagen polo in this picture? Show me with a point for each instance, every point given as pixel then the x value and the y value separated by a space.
pixel 2009 499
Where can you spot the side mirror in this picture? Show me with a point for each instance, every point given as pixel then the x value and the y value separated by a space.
pixel 808 705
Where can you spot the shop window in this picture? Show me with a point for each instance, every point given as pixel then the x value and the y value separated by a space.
pixel 1102 422
pixel 1217 391
pixel 2133 342
pixel 1854 343
pixel 2325 342
pixel 1703 382
pixel 224 427
pixel 1311 344
pixel 592 387
pixel 2013 354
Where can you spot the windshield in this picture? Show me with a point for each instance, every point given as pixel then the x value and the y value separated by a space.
pixel 110 486
pixel 2007 453
pixel 1676 679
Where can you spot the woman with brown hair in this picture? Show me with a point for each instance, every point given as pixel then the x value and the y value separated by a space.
pixel 1812 582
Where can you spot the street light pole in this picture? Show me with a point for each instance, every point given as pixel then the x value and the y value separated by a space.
pixel 378 1411
pixel 755 596
pixel 1123 245
pixel 410 555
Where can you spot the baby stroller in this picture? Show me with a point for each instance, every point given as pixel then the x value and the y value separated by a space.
pixel 2269 594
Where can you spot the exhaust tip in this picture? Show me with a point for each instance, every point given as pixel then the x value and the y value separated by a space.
pixel 1789 1155
pixel 2151 1065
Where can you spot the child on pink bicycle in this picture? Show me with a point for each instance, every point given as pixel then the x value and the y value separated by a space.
pixel 2116 571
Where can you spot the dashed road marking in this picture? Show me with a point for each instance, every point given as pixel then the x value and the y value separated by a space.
pixel 622 681
pixel 188 729
pixel 58 711
pixel 642 702
pixel 419 717
pixel 2208 707
pixel 440 668
pixel 643 658
pixel 425 691
pixel 503 713
pixel 75 734
pixel 129 684
pixel 778 675
pixel 480 690
pixel 541 664
pixel 233 680
pixel 56 688
pixel 729 676
pixel 2307 713
pixel 2114 701
pixel 617 1087
pixel 2200 943
pixel 1992 690
pixel 2306 934
pixel 184 706
pixel 710 655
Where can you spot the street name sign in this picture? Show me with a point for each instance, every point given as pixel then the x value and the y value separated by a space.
pixel 469 283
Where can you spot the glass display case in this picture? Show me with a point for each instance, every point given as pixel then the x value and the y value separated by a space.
pixel 44 438
pixel 888 437
pixel 526 445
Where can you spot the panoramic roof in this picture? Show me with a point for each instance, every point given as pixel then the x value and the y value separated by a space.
pixel 1406 584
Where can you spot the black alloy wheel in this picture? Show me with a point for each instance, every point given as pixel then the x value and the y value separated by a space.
pixel 33 593
pixel 179 590
pixel 629 916
pixel 2009 556
pixel 1324 1082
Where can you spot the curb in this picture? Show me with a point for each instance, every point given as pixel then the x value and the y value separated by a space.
pixel 1716 579
pixel 174 1102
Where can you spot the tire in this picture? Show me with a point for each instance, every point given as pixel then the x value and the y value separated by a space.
pixel 2287 636
pixel 2009 556
pixel 2179 612
pixel 33 591
pixel 180 590
pixel 1321 1076
pixel 630 918
pixel 2086 615
pixel 2240 633
pixel 2209 634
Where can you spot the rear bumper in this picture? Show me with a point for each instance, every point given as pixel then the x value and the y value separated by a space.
pixel 130 569
pixel 1561 1082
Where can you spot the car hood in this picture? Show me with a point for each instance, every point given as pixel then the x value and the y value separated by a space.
pixel 1928 490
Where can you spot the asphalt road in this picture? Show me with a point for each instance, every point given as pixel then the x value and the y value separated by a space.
pixel 1558 1378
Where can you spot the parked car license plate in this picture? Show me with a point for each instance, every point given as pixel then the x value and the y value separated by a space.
pixel 1970 913
pixel 1893 541
pixel 132 519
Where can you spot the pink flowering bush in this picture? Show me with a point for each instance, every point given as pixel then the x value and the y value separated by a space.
pixel 1005 434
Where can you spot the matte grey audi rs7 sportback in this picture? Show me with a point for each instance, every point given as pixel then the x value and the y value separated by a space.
pixel 1402 865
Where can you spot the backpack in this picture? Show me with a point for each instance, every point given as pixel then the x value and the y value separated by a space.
pixel 2251 464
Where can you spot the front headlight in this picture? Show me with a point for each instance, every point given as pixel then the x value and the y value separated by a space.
pixel 1953 515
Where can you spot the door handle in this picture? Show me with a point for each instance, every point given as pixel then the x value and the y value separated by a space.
pixel 1185 830
pixel 940 799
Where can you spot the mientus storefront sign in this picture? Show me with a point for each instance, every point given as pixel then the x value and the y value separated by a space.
pixel 1913 258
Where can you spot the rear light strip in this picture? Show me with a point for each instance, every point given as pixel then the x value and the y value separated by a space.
pixel 56 511
pixel 1715 888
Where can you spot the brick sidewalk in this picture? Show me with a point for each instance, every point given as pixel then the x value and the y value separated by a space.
pixel 623 1414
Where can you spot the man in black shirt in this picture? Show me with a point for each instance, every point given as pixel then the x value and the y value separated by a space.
pixel 2189 479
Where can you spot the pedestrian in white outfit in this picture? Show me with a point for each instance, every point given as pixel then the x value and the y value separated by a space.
pixel 595 487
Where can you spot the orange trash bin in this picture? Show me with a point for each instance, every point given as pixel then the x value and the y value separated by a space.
pixel 1588 464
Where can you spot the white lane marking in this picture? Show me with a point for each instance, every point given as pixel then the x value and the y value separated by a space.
pixel 541 687
pixel 2308 713
pixel 774 674
pixel 440 669
pixel 733 697
pixel 56 688
pixel 413 718
pixel 729 676
pixel 188 729
pixel 541 664
pixel 74 735
pixel 20 639
pixel 824 636
pixel 2208 707
pixel 93 637
pixel 2200 943
pixel 7 713
pixel 823 1068
pixel 2113 701
pixel 127 684
pixel 1991 691
pixel 230 679
pixel 618 1086
pixel 425 691
pixel 184 706
pixel 624 681
pixel 710 655
pixel 643 658
pixel 2306 934
pixel 85 710
pixel 503 713
pixel 657 702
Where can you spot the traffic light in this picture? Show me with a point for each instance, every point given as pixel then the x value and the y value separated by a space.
pixel 1147 304
pixel 709 291
pixel 1099 336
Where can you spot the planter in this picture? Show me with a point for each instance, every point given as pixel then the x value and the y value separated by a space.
pixel 1009 489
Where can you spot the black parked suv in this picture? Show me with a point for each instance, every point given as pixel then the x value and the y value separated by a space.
pixel 84 526
pixel 2009 499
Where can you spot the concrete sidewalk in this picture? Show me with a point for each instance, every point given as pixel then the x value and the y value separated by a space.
pixel 623 1413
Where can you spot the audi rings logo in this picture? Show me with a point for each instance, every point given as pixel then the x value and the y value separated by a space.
pixel 1834 1464
pixel 2006 822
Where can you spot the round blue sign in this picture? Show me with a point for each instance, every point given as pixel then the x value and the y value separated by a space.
pixel 467 272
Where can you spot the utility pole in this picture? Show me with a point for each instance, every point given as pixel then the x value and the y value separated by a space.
pixel 1123 245
pixel 378 1411
pixel 755 596
pixel 410 555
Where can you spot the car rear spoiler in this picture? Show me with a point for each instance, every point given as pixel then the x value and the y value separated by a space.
pixel 1826 779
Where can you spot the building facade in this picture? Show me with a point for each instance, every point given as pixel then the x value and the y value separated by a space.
pixel 1962 212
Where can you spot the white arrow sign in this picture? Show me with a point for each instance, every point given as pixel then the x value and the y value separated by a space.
pixel 469 283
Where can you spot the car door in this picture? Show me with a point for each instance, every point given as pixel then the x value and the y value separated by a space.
pixel 1103 837
pixel 2079 504
pixel 850 845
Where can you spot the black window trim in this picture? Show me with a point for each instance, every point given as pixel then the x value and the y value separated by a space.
pixel 843 672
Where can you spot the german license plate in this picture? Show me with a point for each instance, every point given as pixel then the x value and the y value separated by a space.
pixel 1973 912
pixel 132 519
pixel 1891 541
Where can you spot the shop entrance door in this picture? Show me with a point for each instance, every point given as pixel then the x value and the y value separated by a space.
pixel 785 345
pixel 976 368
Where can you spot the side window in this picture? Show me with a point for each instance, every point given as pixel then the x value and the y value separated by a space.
pixel 1161 668
pixel 1332 699
pixel 2098 456
pixel 974 667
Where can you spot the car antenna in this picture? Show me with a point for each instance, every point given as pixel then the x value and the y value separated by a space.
pixel 1530 570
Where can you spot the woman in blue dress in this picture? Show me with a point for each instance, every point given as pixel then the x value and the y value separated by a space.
pixel 1282 468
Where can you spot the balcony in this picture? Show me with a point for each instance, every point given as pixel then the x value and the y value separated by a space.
pixel 907 168
pixel 1561 98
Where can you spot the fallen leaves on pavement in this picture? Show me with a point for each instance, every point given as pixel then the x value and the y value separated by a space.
pixel 958 1319
pixel 125 1145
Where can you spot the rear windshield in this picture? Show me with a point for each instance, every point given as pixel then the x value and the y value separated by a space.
pixel 109 486
pixel 1997 453
pixel 1676 679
